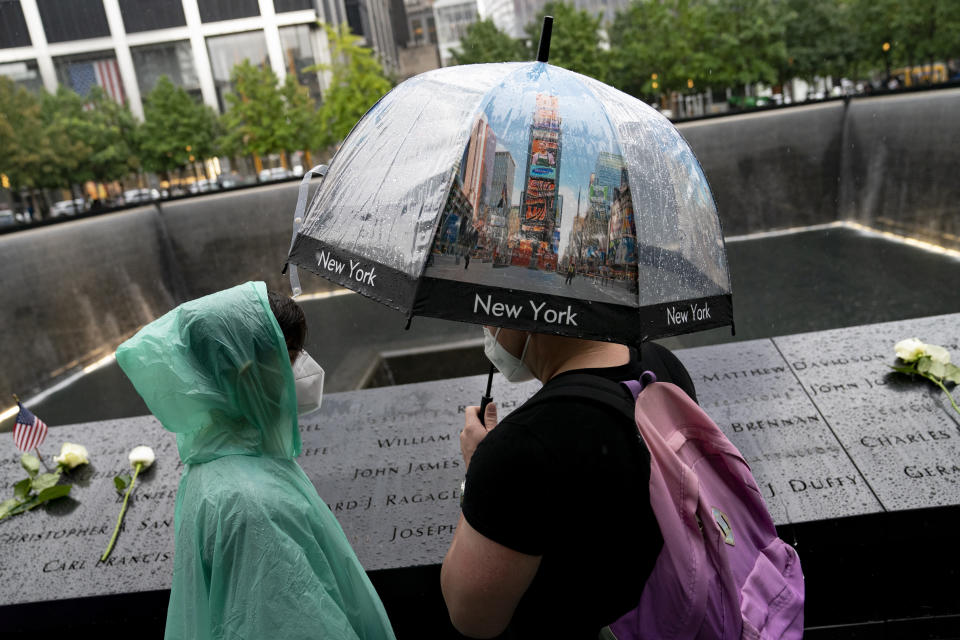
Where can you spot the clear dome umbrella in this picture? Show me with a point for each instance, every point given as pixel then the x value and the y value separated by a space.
pixel 526 196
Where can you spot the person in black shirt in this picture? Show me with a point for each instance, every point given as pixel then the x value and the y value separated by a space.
pixel 556 537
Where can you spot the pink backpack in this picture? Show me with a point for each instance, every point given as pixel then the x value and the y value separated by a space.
pixel 722 572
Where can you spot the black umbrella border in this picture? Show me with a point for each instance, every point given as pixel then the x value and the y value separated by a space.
pixel 511 308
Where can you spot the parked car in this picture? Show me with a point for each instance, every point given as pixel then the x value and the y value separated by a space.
pixel 203 186
pixel 279 173
pixel 68 207
pixel 228 181
pixel 276 173
pixel 7 218
pixel 136 196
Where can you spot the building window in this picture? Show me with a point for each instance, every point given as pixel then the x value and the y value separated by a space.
pixel 354 17
pixel 416 26
pixel 214 10
pixel 13 28
pixel 171 59
pixel 291 5
pixel 84 71
pixel 431 30
pixel 230 50
pixel 73 20
pixel 298 54
pixel 24 74
pixel 147 15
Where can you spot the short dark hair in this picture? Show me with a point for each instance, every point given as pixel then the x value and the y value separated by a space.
pixel 290 317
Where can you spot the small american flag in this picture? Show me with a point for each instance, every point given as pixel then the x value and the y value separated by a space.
pixel 105 73
pixel 29 431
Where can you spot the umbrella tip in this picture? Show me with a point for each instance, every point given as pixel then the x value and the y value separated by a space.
pixel 543 51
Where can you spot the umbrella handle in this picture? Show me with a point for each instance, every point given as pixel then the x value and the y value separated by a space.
pixel 484 401
pixel 319 170
pixel 486 398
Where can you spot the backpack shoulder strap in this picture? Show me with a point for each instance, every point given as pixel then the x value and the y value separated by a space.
pixel 596 389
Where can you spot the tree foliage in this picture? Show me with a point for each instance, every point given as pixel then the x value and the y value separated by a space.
pixel 484 42
pixel 65 126
pixel 357 82
pixel 25 149
pixel 660 45
pixel 255 113
pixel 750 41
pixel 818 42
pixel 176 129
pixel 576 40
pixel 300 127
pixel 112 133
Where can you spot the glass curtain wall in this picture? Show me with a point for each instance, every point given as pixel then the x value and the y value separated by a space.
pixel 171 59
pixel 298 54
pixel 25 74
pixel 230 50
pixel 84 71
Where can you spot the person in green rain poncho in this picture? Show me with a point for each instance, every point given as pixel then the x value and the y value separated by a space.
pixel 258 554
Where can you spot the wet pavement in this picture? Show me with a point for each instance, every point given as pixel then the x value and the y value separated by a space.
pixel 785 284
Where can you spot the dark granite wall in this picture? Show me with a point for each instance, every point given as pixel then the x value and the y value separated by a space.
pixel 899 168
pixel 225 239
pixel 71 292
pixel 771 170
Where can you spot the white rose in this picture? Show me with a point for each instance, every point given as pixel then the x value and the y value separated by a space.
pixel 142 455
pixel 937 353
pixel 72 455
pixel 910 349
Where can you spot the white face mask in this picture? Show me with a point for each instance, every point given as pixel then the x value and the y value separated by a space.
pixel 308 379
pixel 512 367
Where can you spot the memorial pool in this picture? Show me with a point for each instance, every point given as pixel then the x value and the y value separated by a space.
pixel 784 283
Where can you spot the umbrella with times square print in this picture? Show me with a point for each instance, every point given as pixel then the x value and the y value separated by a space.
pixel 526 196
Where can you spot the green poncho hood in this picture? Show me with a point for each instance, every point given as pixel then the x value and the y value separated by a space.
pixel 258 554
pixel 216 372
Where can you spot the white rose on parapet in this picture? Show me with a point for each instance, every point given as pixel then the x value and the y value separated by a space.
pixel 72 455
pixel 910 349
pixel 936 353
pixel 142 455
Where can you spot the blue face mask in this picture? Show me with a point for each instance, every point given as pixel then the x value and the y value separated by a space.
pixel 512 367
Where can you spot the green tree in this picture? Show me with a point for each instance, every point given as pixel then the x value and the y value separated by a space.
pixel 750 40
pixel 357 83
pixel 484 42
pixel 112 132
pixel 28 157
pixel 919 31
pixel 300 128
pixel 254 118
pixel 23 143
pixel 658 46
pixel 818 39
pixel 575 43
pixel 176 129
pixel 69 139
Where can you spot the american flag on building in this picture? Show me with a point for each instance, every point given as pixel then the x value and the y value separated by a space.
pixel 104 73
pixel 29 431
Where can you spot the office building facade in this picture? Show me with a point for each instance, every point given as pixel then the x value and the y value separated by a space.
pixel 125 46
